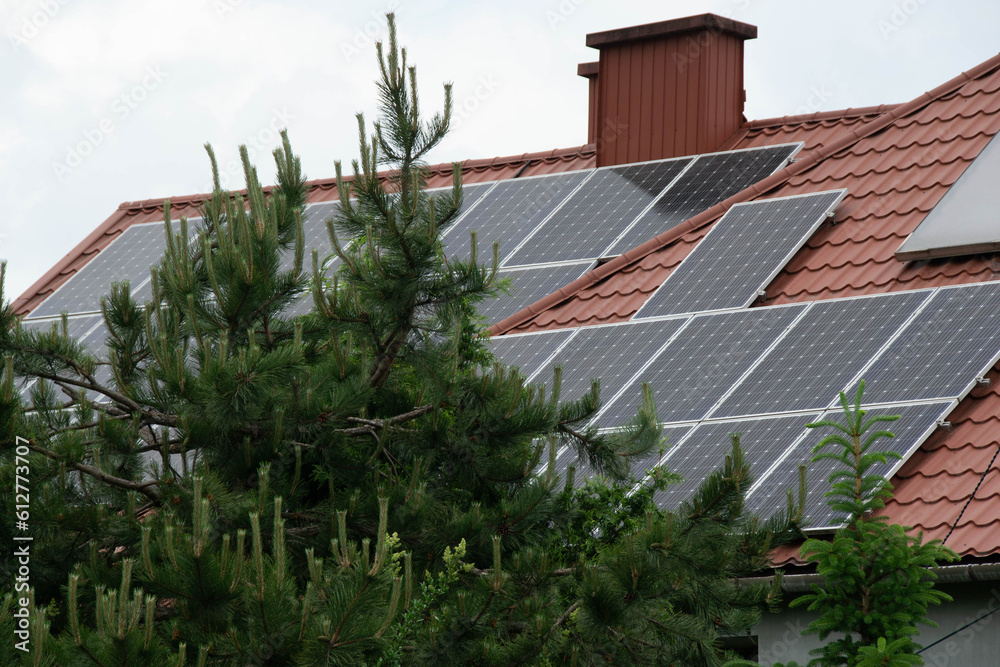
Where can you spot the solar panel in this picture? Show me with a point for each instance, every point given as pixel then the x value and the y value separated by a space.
pixel 711 179
pixel 705 450
pixel 612 353
pixel 127 257
pixel 821 354
pixel 951 342
pixel 740 255
pixel 694 371
pixel 528 352
pixel 915 424
pixel 590 219
pixel 528 286
pixel 508 213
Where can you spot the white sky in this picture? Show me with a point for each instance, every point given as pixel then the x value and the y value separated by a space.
pixel 106 101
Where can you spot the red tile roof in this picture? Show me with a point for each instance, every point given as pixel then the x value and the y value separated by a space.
pixel 896 161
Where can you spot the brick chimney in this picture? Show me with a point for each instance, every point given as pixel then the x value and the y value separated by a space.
pixel 666 89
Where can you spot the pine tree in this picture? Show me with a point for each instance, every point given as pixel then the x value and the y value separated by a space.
pixel 360 485
pixel 877 582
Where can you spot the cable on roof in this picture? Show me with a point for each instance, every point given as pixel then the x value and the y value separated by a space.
pixel 521 170
pixel 974 491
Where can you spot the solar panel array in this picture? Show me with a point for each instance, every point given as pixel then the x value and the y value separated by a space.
pixel 617 208
pixel 590 219
pixel 702 363
pixel 822 354
pixel 528 352
pixel 766 372
pixel 709 180
pixel 128 257
pixel 613 354
pixel 740 255
pixel 950 343
pixel 769 494
pixel 579 214
pixel 704 451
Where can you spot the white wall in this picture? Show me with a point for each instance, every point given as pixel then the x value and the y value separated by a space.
pixel 780 640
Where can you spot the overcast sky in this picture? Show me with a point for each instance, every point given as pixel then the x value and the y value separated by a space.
pixel 109 101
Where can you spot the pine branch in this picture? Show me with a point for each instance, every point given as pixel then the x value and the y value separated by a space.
pixel 145 488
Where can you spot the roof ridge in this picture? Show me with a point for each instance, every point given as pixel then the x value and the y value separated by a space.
pixel 816 116
pixel 439 168
pixel 851 137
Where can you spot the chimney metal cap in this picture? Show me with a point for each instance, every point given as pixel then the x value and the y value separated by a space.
pixel 706 22
pixel 587 70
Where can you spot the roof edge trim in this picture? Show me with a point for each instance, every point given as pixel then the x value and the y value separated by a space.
pixel 947 251
pixel 838 114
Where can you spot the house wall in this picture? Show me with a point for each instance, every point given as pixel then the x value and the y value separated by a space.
pixel 780 640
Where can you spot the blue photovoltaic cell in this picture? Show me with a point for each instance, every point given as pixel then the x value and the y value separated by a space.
pixel 705 450
pixel 701 363
pixel 528 286
pixel 821 354
pixel 508 213
pixel 711 179
pixel 914 424
pixel 529 351
pixel 128 257
pixel 740 254
pixel 587 222
pixel 955 338
pixel 611 353
pixel 640 466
